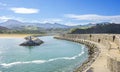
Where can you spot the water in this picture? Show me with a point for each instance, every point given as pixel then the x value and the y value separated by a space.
pixel 52 56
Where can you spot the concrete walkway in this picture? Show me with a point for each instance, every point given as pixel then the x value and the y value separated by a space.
pixel 100 64
pixel 114 51
pixel 107 48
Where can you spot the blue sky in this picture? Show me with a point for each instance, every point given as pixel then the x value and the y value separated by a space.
pixel 68 12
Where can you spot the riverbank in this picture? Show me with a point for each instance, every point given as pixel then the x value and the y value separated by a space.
pixel 19 35
pixel 108 44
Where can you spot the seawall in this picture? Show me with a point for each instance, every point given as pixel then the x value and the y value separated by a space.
pixel 104 50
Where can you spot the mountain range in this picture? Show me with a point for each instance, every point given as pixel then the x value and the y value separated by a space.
pixel 99 28
pixel 11 24
pixel 14 24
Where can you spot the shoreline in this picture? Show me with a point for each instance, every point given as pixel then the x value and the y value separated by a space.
pixel 18 35
pixel 93 52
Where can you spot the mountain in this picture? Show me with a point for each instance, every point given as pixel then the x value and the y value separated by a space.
pixel 55 25
pixel 84 26
pixel 11 23
pixel 3 28
pixel 99 28
pixel 14 24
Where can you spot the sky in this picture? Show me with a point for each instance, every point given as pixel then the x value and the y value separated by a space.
pixel 68 12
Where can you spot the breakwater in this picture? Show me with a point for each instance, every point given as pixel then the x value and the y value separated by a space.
pixel 104 46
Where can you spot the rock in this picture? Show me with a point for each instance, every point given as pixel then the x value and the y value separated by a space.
pixel 31 41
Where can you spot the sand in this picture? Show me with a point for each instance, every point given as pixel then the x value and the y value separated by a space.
pixel 15 35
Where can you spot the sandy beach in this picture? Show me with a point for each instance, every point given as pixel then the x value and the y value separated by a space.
pixel 16 35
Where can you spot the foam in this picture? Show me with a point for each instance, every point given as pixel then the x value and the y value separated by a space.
pixel 42 61
pixel 27 62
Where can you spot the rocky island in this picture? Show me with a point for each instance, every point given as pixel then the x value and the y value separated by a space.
pixel 31 41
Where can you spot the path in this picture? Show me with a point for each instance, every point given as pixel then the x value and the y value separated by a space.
pixel 100 64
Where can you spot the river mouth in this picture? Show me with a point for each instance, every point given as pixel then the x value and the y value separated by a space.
pixel 52 56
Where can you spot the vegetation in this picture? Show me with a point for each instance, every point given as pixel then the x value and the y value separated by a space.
pixel 21 32
pixel 99 28
pixel 34 31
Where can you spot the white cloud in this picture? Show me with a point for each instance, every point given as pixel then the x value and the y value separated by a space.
pixel 24 10
pixel 95 18
pixel 4 18
pixel 3 4
pixel 71 23
pixel 50 20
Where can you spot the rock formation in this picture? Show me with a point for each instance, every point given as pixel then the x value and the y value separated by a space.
pixel 31 41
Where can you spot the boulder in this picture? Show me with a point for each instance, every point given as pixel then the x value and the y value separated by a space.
pixel 31 41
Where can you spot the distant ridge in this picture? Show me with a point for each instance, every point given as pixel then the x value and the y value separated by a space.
pixel 3 28
pixel 99 28
pixel 14 23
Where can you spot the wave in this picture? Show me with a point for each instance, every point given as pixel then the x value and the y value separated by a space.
pixel 42 61
pixel 27 62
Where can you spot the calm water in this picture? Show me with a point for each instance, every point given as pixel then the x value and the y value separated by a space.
pixel 52 56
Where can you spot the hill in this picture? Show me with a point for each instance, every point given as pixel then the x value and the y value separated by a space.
pixel 3 28
pixel 99 28
pixel 17 24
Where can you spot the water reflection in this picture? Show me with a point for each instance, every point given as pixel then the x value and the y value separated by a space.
pixel 29 48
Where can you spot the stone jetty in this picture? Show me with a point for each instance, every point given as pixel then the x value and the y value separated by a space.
pixel 31 41
pixel 104 51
